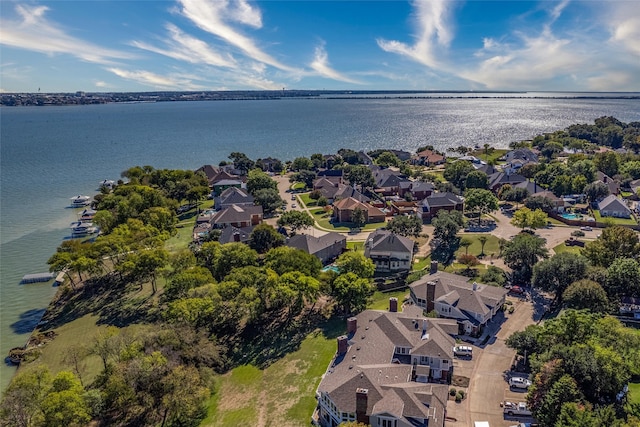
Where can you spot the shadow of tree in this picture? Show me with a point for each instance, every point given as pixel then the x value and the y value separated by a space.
pixel 27 321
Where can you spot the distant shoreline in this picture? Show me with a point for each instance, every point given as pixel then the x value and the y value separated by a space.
pixel 93 98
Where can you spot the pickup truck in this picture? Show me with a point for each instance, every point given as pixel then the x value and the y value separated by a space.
pixel 513 409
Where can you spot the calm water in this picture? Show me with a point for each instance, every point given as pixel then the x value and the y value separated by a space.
pixel 49 154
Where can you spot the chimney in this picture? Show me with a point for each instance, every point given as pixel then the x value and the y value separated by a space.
pixel 393 304
pixel 236 237
pixel 343 345
pixel 535 187
pixel 431 296
pixel 362 400
pixel 434 267
pixel 352 325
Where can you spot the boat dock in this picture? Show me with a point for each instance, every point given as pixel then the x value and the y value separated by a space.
pixel 37 277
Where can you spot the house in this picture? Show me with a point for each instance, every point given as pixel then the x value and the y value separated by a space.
pixel 498 179
pixel 326 247
pixel 488 169
pixel 333 191
pixel 557 202
pixel 235 234
pixel 635 186
pixel 523 154
pixel 270 164
pixel 390 252
pixel 383 371
pixel 237 216
pixel 223 184
pixel 402 155
pixel 451 296
pixel 612 184
pixel 209 171
pixel 418 189
pixel 436 202
pixel 428 158
pixel 387 181
pixel 343 211
pixel 233 196
pixel 329 160
pixel 531 186
pixel 614 207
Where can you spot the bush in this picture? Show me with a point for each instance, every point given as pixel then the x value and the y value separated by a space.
pixel 452 391
pixel 459 396
pixel 512 309
pixel 462 393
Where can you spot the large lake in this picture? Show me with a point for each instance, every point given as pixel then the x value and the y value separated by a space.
pixel 49 154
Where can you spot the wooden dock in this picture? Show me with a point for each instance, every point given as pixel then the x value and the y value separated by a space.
pixel 37 277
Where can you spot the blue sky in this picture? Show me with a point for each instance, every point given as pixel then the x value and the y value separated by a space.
pixel 103 46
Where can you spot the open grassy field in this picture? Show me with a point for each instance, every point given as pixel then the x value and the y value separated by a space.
pixel 324 219
pixel 564 248
pixel 490 247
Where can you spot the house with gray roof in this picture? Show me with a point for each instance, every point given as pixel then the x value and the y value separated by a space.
pixel 523 154
pixel 390 369
pixel 235 234
pixel 326 247
pixel 387 181
pixel 612 184
pixel 237 216
pixel 390 252
pixel 334 191
pixel 233 196
pixel 614 207
pixel 436 202
pixel 498 179
pixel 472 305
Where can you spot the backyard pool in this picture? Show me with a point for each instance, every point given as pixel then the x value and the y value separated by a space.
pixel 571 216
pixel 332 268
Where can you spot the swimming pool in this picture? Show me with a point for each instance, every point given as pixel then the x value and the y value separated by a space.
pixel 571 216
pixel 332 268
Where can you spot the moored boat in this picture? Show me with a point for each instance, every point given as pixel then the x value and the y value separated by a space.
pixel 80 201
pixel 80 228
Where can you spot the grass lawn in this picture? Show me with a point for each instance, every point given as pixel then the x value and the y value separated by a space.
pixel 617 221
pixel 564 248
pixel 494 155
pixel 298 186
pixel 380 300
pixel 324 219
pixel 356 246
pixel 634 393
pixel 282 394
pixel 308 201
pixel 421 263
pixel 490 247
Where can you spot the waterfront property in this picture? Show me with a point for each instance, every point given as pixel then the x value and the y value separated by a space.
pixel 436 202
pixel 451 296
pixel 390 369
pixel 343 211
pixel 390 252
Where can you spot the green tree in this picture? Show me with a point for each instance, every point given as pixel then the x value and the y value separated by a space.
pixel 465 243
pixel 356 263
pixel 493 276
pixel 295 220
pixel 563 391
pixel 516 194
pixel 304 176
pixel 360 175
pixel 545 204
pixel 351 292
pixel 456 172
pixel 558 272
pixel 631 168
pixel 301 163
pixel 264 237
pixel 64 405
pixel 241 162
pixel 483 241
pixel 143 265
pixel 525 217
pixel 614 242
pixel 405 225
pixel 522 253
pixel 445 239
pixel 179 284
pixel 477 179
pixel 358 217
pixel 623 278
pixel 596 191
pixel 586 294
pixel 480 201
pixel 284 259
pixel 607 162
pixel 259 180
pixel 233 255
pixel 22 400
pixel 269 199
pixel 386 159
pixel 185 396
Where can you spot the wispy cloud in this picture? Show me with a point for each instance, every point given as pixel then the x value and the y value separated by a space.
pixel 35 33
pixel 433 31
pixel 215 16
pixel 148 78
pixel 624 24
pixel 184 47
pixel 320 64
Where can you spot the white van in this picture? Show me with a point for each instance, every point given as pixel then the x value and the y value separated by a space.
pixel 463 350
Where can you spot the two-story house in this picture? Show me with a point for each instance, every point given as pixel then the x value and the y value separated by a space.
pixel 390 252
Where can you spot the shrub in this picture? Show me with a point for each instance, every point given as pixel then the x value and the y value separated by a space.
pixel 512 309
pixel 452 391
pixel 459 397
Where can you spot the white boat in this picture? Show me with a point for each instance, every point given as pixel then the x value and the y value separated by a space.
pixel 108 183
pixel 80 201
pixel 80 228
pixel 86 215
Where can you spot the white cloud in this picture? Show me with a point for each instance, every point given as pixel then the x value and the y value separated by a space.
pixel 434 31
pixel 101 84
pixel 185 47
pixel 612 81
pixel 321 65
pixel 212 15
pixel 624 24
pixel 148 78
pixel 35 33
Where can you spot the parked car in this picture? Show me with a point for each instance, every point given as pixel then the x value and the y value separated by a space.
pixel 586 228
pixel 519 382
pixel 512 408
pixel 463 350
pixel 516 290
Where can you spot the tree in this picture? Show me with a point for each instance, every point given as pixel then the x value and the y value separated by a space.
pixel 456 172
pixel 469 261
pixel 607 162
pixel 269 199
pixel 516 194
pixel 241 162
pixel 231 256
pixel 351 292
pixel 264 237
pixel 356 263
pixel 614 242
pixel 405 225
pixel 545 204
pixel 445 240
pixel 304 176
pixel 562 391
pixel 179 284
pixel 360 175
pixel 623 278
pixel 525 217
pixel 558 272
pixel 143 265
pixel 386 159
pixel 480 201
pixel 295 220
pixel 493 276
pixel 477 179
pixel 64 405
pixel 284 259
pixel 586 294
pixel 259 180
pixel 358 217
pixel 21 401
pixel 483 240
pixel 465 243
pixel 301 163
pixel 522 253
pixel 596 191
